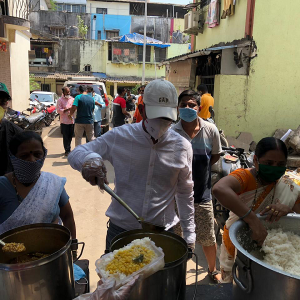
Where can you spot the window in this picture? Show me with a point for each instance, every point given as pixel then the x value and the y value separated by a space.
pixel 59 7
pixel 148 53
pixel 102 11
pixel 99 35
pixel 76 8
pixel 109 52
pixel 87 68
pixel 59 32
pixel 160 54
pixel 45 87
pixel 68 7
pixel 112 33
pixel 83 9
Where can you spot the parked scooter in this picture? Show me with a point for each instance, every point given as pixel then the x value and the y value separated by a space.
pixel 231 159
pixel 49 110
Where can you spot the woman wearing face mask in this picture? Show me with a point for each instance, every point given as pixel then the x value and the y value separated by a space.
pixel 28 195
pixel 262 189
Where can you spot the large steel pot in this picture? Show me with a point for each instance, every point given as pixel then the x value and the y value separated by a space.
pixel 254 279
pixel 50 278
pixel 169 283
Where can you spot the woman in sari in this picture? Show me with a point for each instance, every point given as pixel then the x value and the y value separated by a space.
pixel 263 190
pixel 29 196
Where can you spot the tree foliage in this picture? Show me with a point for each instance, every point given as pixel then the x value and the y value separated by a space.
pixel 53 5
pixel 33 84
pixel 82 28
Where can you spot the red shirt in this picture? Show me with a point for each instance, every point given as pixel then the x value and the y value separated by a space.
pixel 121 101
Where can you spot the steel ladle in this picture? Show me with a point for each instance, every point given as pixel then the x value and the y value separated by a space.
pixel 145 225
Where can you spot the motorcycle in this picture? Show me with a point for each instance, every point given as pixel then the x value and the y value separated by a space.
pixel 49 110
pixel 231 159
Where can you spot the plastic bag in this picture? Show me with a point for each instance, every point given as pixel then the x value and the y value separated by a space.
pixel 107 291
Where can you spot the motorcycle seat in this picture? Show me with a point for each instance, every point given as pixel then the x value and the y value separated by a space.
pixel 34 117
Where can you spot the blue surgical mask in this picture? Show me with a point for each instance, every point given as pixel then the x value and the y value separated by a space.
pixel 78 272
pixel 187 114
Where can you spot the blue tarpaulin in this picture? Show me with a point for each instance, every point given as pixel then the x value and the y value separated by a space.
pixel 138 39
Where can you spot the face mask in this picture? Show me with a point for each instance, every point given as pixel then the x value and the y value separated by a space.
pixel 2 111
pixel 187 114
pixel 157 127
pixel 27 171
pixel 270 173
pixel 67 96
pixel 78 272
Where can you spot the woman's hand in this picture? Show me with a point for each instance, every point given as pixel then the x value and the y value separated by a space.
pixel 259 232
pixel 275 211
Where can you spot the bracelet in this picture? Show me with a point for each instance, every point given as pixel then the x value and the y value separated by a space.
pixel 247 214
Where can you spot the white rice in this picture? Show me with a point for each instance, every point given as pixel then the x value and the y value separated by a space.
pixel 282 249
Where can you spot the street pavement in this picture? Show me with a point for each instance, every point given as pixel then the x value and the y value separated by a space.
pixel 89 206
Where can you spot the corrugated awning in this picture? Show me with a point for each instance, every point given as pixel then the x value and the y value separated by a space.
pixel 138 39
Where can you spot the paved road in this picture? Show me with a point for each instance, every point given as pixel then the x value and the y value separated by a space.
pixel 89 206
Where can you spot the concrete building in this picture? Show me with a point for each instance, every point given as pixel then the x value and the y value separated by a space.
pixel 75 6
pixel 250 65
pixel 14 47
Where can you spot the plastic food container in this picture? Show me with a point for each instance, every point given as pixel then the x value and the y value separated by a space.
pixel 155 265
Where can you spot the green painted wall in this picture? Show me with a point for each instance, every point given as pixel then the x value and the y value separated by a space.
pixel 177 49
pixel 230 29
pixel 269 98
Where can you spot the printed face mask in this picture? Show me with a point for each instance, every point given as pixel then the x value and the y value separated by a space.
pixel 27 171
pixel 157 127
pixel 270 173
pixel 187 114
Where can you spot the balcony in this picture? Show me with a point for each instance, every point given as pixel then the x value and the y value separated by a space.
pixel 14 15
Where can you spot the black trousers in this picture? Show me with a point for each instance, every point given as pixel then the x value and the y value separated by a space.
pixel 67 132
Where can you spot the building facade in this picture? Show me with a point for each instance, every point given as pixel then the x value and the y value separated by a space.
pixel 247 61
pixel 14 49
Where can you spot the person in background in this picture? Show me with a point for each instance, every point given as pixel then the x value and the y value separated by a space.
pixel 63 107
pixel 29 196
pixel 99 105
pixel 130 101
pixel 155 170
pixel 119 108
pixel 205 140
pixel 84 104
pixel 206 101
pixel 7 131
pixel 263 189
pixel 137 116
pixel 50 60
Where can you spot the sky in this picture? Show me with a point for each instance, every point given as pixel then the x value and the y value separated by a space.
pixel 182 2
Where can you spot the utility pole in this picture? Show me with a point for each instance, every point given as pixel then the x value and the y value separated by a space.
pixel 144 45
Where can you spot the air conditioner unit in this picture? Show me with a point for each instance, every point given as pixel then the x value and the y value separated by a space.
pixel 191 22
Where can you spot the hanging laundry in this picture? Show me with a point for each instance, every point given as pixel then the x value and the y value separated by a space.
pixel 228 8
pixel 117 51
pixel 126 52
pixel 213 15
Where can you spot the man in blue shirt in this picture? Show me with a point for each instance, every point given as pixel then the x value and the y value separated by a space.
pixel 99 105
pixel 84 104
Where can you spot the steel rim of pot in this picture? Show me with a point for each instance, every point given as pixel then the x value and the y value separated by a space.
pixel 42 261
pixel 233 231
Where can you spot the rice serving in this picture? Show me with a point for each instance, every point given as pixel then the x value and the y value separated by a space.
pixel 282 251
pixel 125 261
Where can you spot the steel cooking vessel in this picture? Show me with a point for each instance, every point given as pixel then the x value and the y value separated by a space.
pixel 254 279
pixel 169 283
pixel 50 278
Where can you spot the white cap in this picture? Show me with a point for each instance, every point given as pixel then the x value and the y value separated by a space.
pixel 160 99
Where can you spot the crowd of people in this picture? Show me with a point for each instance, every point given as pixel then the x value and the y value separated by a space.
pixel 165 176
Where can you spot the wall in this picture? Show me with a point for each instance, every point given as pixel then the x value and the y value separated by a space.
pixel 43 5
pixel 113 8
pixel 71 1
pixel 158 27
pixel 111 22
pixel 69 55
pixel 42 20
pixel 19 67
pixel 51 81
pixel 5 67
pixel 95 54
pixel 125 70
pixel 230 29
pixel 269 98
pixel 177 49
